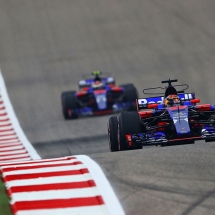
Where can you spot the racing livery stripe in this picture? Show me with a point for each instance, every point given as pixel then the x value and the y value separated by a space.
pixel 67 185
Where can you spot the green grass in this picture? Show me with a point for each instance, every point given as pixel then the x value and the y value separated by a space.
pixel 4 201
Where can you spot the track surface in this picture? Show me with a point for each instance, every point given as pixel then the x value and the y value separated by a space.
pixel 46 45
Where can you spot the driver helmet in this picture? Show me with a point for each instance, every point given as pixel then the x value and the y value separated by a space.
pixel 171 100
pixel 97 85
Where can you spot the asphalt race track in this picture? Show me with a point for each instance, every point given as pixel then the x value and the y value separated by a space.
pixel 45 47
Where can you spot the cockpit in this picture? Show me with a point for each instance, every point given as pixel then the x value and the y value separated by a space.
pixel 172 100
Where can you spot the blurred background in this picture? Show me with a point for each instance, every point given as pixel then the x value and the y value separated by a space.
pixel 46 46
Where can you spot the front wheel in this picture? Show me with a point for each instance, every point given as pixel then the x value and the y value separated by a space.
pixel 69 105
pixel 112 134
pixel 128 123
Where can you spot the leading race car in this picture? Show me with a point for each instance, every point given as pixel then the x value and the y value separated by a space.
pixel 98 96
pixel 172 119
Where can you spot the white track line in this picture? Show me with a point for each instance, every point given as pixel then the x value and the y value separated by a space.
pixel 48 169
pixel 90 210
pixel 3 112
pixel 14 156
pixel 42 161
pixel 11 148
pixel 50 180
pixel 13 152
pixel 3 145
pixel 40 164
pixel 55 194
pixel 19 159
pixel 6 127
pixel 7 133
pixel 9 141
pixel 9 137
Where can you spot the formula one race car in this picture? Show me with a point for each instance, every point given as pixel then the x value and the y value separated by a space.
pixel 98 96
pixel 173 119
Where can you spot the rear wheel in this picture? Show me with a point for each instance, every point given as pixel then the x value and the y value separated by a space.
pixel 69 105
pixel 128 123
pixel 130 95
pixel 112 133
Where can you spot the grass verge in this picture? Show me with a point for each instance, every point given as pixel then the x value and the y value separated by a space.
pixel 4 201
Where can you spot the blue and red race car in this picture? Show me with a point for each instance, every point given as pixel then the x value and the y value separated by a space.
pixel 98 96
pixel 172 119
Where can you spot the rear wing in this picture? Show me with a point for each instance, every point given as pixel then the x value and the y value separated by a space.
pixel 143 103
pixel 89 82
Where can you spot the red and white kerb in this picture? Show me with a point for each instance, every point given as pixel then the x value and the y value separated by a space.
pixel 69 185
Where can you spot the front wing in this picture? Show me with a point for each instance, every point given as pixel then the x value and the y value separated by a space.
pixel 116 108
pixel 143 139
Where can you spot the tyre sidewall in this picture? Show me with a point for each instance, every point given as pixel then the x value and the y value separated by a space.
pixel 69 102
pixel 112 134
pixel 128 123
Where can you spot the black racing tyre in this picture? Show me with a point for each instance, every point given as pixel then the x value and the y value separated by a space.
pixel 65 93
pixel 128 123
pixel 112 134
pixel 69 102
pixel 130 95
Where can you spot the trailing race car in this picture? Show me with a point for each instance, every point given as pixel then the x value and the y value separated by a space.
pixel 98 96
pixel 174 119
